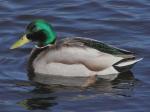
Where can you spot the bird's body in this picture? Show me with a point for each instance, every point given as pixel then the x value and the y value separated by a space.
pixel 72 57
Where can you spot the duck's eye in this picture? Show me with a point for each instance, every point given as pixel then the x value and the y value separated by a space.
pixel 29 36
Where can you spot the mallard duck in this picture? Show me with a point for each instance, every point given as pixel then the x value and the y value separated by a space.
pixel 72 57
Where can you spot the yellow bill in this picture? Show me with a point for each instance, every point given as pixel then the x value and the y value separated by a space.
pixel 20 42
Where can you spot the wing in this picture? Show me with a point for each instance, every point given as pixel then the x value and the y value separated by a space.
pixel 98 45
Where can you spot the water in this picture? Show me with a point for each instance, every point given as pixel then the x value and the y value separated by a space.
pixel 123 23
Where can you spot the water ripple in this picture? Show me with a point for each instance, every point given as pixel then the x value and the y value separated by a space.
pixel 123 23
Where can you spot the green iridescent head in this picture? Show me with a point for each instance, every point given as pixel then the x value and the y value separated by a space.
pixel 37 31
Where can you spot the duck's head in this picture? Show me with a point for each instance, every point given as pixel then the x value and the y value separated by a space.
pixel 38 31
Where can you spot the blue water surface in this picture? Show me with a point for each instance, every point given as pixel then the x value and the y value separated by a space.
pixel 123 23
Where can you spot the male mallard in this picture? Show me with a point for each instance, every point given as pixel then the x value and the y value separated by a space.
pixel 72 57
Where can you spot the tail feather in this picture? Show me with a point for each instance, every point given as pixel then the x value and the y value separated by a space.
pixel 126 64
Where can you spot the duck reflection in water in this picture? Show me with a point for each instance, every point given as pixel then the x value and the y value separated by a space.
pixel 38 101
pixel 45 97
